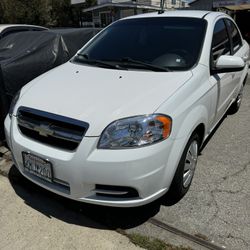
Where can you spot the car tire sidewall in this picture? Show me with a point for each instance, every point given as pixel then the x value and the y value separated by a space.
pixel 177 189
pixel 234 108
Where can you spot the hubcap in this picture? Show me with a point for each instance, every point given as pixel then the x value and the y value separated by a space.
pixel 239 99
pixel 190 163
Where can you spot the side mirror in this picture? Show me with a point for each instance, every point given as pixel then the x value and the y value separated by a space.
pixel 228 64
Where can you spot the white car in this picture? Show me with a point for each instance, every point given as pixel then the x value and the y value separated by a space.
pixel 121 124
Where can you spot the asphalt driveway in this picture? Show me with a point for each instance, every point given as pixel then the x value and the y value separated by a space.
pixel 217 206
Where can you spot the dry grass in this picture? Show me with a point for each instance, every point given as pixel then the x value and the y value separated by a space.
pixel 151 243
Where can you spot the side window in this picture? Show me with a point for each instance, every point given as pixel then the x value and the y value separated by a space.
pixel 220 43
pixel 234 33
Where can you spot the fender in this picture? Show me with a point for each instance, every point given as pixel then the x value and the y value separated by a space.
pixel 196 116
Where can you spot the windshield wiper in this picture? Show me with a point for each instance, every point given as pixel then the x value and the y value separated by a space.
pixel 153 67
pixel 86 60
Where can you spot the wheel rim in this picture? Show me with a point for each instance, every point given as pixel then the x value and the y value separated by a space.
pixel 190 163
pixel 239 97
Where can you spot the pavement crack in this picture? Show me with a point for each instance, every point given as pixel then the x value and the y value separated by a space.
pixel 216 206
pixel 228 191
pixel 244 168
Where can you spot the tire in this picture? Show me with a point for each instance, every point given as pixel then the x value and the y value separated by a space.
pixel 234 108
pixel 185 170
pixel 2 117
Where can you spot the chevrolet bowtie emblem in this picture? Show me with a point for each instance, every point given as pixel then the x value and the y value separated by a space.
pixel 44 130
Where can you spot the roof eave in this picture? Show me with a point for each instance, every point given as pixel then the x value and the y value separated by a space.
pixel 122 5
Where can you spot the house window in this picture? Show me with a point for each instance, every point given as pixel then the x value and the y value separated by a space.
pixel 105 18
pixel 174 2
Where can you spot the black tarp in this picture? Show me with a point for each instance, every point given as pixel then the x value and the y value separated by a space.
pixel 26 55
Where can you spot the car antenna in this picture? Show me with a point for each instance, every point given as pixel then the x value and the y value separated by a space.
pixel 161 11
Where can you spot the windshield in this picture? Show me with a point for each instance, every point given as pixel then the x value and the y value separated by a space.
pixel 171 43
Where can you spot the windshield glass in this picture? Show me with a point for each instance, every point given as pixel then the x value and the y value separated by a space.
pixel 172 43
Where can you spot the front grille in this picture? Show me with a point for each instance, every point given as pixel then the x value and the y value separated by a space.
pixel 54 130
pixel 116 191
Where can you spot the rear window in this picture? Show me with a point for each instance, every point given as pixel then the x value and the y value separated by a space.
pixel 171 42
pixel 221 43
pixel 236 38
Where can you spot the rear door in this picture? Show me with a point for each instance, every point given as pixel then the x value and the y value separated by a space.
pixel 238 49
pixel 221 45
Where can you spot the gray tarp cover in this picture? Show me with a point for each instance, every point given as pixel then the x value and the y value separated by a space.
pixel 26 55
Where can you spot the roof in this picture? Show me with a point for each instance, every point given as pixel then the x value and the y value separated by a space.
pixel 175 13
pixel 238 7
pixel 122 5
pixel 208 15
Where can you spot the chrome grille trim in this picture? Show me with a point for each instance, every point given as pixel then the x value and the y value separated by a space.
pixel 46 127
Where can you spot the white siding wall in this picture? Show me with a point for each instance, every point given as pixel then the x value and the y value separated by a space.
pixel 149 2
pixel 77 1
pixel 168 3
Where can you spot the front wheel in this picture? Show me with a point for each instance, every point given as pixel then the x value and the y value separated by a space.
pixel 186 168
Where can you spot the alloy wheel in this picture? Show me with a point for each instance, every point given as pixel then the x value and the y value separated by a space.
pixel 190 163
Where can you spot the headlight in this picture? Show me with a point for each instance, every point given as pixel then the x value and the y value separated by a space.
pixel 135 132
pixel 13 103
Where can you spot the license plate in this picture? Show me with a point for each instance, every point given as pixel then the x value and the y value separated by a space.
pixel 37 166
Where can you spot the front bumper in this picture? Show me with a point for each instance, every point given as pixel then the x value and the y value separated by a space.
pixel 76 173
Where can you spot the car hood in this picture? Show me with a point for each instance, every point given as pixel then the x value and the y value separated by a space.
pixel 100 96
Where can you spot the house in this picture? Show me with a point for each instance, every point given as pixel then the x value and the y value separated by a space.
pixel 238 9
pixel 201 5
pixel 217 4
pixel 107 11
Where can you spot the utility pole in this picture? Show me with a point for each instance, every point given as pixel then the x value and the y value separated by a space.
pixel 161 7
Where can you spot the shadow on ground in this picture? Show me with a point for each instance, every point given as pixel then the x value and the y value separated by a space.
pixel 73 212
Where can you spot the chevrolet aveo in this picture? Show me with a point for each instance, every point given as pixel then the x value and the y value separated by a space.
pixel 121 124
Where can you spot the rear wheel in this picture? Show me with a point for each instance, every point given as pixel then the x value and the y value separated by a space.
pixel 186 168
pixel 234 108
